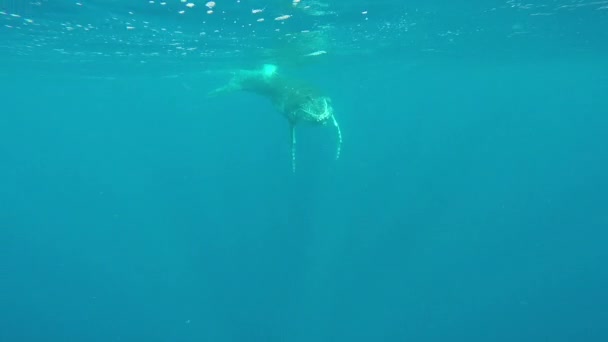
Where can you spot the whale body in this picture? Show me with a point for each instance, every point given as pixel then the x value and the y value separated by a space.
pixel 297 101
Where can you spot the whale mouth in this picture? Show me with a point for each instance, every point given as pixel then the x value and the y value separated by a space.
pixel 317 110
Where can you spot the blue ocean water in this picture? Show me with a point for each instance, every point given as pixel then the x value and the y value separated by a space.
pixel 469 202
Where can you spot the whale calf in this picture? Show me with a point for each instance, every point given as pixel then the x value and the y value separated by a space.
pixel 297 101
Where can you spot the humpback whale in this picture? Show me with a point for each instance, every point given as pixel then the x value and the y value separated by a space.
pixel 297 101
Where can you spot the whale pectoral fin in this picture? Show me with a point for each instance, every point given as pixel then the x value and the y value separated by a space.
pixel 339 147
pixel 293 148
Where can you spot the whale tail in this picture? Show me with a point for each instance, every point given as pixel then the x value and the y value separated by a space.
pixel 229 88
pixel 232 86
pixel 244 79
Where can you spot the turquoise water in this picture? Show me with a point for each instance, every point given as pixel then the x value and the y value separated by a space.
pixel 469 202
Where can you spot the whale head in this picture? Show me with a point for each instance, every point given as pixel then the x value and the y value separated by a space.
pixel 315 109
